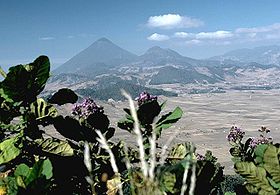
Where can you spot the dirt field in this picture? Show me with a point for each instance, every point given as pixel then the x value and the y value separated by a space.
pixel 208 117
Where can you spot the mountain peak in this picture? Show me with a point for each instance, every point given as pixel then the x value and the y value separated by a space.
pixel 158 51
pixel 103 39
pixel 100 55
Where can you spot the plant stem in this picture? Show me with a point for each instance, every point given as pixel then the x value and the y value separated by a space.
pixel 2 72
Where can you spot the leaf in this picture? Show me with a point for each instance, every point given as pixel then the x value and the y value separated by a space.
pixel 63 96
pixel 126 124
pixel 168 120
pixel 20 182
pixel 55 146
pixel 72 129
pixel 273 184
pixel 40 72
pixel 25 82
pixel 168 182
pixel 22 170
pixel 179 152
pixel 113 185
pixel 41 169
pixel 98 121
pixel 8 150
pixel 147 112
pixel 47 169
pixel 271 163
pixel 110 133
pixel 16 84
pixel 41 109
pixel 254 175
pixel 259 153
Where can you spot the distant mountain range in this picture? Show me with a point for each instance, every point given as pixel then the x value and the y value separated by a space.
pixel 104 68
pixel 261 55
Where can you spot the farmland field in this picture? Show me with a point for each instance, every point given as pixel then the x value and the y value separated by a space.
pixel 208 117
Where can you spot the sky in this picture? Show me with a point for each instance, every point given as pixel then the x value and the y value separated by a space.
pixel 194 28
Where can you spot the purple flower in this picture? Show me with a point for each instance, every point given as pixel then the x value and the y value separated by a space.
pixel 255 141
pixel 145 97
pixel 235 134
pixel 262 139
pixel 87 107
pixel 199 156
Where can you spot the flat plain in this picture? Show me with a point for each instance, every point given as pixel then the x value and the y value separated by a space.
pixel 208 118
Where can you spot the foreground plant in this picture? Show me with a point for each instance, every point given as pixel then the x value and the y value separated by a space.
pixel 24 140
pixel 257 161
pixel 180 171
pixel 31 158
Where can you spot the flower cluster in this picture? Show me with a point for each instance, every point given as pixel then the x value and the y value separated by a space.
pixel 145 97
pixel 262 139
pixel 199 156
pixel 87 107
pixel 235 134
pixel 259 140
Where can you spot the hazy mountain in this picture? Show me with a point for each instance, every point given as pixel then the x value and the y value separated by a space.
pixel 262 55
pixel 97 59
pixel 103 68
pixel 157 56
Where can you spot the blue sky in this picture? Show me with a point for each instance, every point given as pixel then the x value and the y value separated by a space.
pixel 194 28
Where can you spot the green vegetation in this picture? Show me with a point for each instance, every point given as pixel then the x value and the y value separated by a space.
pixel 110 87
pixel 34 162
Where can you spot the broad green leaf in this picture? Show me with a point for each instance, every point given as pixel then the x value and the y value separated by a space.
pixel 168 182
pixel 26 175
pixel 273 184
pixel 41 169
pixel 147 112
pixel 271 163
pixel 63 96
pixel 25 82
pixel 8 150
pixel 17 84
pixel 42 109
pixel 40 72
pixel 22 170
pixel 259 153
pixel 20 182
pixel 254 175
pixel 126 124
pixel 55 146
pixel 168 120
pixel 179 152
pixel 47 169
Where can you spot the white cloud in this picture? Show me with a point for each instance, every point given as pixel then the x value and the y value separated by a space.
pixel 183 35
pixel 158 37
pixel 221 34
pixel 170 21
pixel 261 29
pixel 223 37
pixel 46 38
pixel 259 33
pixel 193 42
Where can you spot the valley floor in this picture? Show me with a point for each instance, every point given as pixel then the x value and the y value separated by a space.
pixel 208 118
